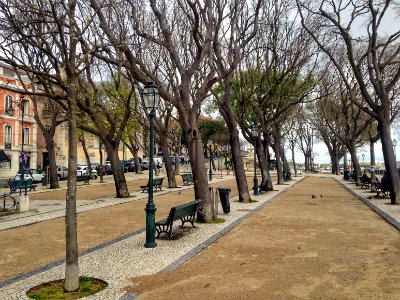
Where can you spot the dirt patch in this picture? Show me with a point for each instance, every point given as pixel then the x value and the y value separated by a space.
pixel 298 247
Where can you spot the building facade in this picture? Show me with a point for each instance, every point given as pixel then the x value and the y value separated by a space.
pixel 18 128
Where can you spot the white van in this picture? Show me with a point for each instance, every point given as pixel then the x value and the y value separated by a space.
pixel 159 159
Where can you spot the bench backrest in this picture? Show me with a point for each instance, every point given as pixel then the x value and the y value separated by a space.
pixel 158 181
pixel 187 176
pixel 183 210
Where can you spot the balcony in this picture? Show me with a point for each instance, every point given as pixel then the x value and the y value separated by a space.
pixel 27 148
pixel 7 146
pixel 9 112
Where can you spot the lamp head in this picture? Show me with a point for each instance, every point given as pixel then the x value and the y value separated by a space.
pixel 150 96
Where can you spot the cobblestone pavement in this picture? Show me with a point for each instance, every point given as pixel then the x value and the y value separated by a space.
pixel 119 260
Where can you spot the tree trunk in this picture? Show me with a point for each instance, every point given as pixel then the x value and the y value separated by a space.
pixel 262 154
pixel 234 142
pixel 134 151
pixel 197 161
pixel 177 170
pixel 101 162
pixel 54 184
pixel 356 164
pixel 373 176
pixel 285 164
pixel 241 181
pixel 293 159
pixel 138 169
pixel 167 163
pixel 121 187
pixel 390 161
pixel 83 141
pixel 279 167
pixel 71 231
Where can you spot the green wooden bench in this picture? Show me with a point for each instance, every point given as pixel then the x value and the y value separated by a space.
pixel 384 190
pixel 15 184
pixel 84 177
pixel 365 181
pixel 187 178
pixel 185 212
pixel 157 184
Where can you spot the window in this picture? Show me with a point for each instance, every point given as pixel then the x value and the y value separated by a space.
pixel 25 107
pixel 96 142
pixel 26 136
pixel 47 106
pixel 8 103
pixel 8 72
pixel 7 137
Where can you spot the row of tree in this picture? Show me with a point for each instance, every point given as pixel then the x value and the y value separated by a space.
pixel 291 68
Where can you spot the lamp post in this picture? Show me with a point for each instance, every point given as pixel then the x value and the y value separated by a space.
pixel 254 135
pixel 151 100
pixel 210 142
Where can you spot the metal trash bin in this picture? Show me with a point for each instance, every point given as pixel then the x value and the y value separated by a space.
pixel 224 198
pixel 44 181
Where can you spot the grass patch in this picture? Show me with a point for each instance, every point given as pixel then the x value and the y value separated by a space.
pixel 55 289
pixel 216 221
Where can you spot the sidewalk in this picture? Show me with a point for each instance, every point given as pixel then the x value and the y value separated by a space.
pixel 121 259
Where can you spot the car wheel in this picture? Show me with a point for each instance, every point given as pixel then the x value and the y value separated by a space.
pixel 59 177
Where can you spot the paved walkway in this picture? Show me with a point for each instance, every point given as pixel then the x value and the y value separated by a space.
pixel 119 260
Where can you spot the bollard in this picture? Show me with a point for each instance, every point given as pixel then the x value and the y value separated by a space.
pixel 22 202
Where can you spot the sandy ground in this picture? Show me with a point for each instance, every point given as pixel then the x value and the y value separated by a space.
pixel 298 247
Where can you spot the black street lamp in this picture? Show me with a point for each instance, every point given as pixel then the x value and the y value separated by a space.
pixel 254 135
pixel 210 142
pixel 151 100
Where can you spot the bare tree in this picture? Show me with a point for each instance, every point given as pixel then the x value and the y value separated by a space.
pixel 42 39
pixel 369 52
pixel 184 33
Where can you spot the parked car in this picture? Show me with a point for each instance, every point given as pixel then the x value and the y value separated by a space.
pixel 106 169
pixel 37 175
pixel 130 165
pixel 158 159
pixel 62 172
pixel 144 165
pixel 27 175
pixel 32 174
pixel 82 170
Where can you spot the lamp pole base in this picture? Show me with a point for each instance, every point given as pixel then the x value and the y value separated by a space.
pixel 150 225
pixel 256 186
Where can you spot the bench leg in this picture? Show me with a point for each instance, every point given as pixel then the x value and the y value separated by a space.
pixel 189 219
pixel 164 229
